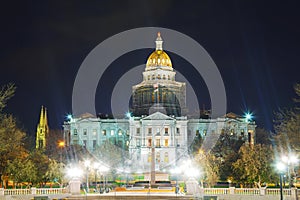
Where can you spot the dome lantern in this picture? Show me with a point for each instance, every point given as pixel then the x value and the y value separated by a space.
pixel 158 42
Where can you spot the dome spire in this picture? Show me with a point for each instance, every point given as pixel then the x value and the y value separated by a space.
pixel 159 42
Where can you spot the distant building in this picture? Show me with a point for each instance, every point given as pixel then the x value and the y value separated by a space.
pixel 42 130
pixel 159 133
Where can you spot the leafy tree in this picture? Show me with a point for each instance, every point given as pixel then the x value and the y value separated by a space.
pixel 254 165
pixel 227 144
pixel 6 92
pixel 196 144
pixel 55 171
pixel 11 143
pixel 226 166
pixel 53 150
pixel 226 150
pixel 287 126
pixel 210 167
pixel 41 165
pixel 21 170
pixel 262 136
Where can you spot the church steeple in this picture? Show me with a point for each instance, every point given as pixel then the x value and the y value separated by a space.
pixel 42 129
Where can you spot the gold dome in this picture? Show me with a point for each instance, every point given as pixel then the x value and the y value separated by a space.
pixel 158 57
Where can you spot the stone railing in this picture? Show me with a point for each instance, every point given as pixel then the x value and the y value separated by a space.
pixel 215 190
pixel 33 191
pixel 247 191
pixel 292 193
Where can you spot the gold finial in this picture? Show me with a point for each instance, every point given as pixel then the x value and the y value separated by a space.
pixel 158 34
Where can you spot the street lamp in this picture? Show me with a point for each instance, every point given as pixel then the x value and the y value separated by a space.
pixel 281 167
pixel 61 145
pixel 290 159
pixel 74 174
pixel 103 169
pixel 87 164
pixel 176 171
pixel 248 117
pixel 96 166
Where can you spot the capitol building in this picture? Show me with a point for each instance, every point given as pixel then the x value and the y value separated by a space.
pixel 158 133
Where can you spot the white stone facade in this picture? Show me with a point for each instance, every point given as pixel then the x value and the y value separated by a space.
pixel 169 135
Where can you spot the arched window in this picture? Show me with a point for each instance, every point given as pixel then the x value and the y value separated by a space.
pixel 120 132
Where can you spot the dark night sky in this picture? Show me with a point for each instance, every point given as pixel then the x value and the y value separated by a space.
pixel 254 43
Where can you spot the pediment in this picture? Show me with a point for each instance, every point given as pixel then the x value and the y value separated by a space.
pixel 158 116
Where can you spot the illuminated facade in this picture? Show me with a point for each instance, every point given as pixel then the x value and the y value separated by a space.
pixel 42 130
pixel 158 134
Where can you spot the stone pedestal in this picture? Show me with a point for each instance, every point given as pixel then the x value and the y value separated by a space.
pixel 192 187
pixel 294 194
pixel 74 186
pixel 33 190
pixel 262 191
pixel 231 190
pixel 1 191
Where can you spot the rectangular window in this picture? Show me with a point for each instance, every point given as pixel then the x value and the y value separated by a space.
pixel 149 142
pixel 157 158
pixel 177 143
pixel 166 131
pixel 166 159
pixel 94 132
pixel 231 132
pixel 149 157
pixel 75 131
pixel 157 143
pixel 177 130
pixel 84 143
pixel 84 132
pixel 242 132
pixel 138 131
pixel 150 131
pixel 204 132
pixel 138 142
pixel 166 142
pixel 197 133
pixel 104 132
pixel 157 131
pixel 94 144
pixel 112 132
